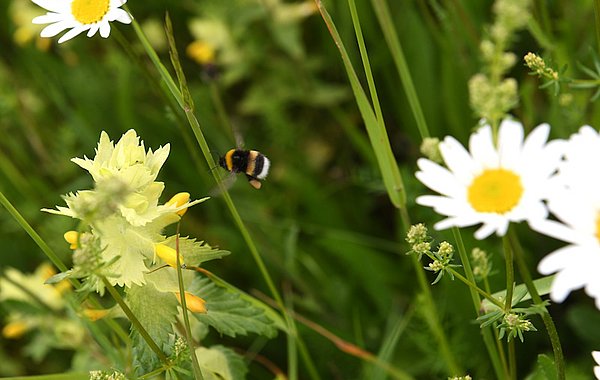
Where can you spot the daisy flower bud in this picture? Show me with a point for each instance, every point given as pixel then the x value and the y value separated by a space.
pixel 430 149
pixel 194 303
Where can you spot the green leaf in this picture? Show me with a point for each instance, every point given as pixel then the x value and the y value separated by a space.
pixel 59 277
pixel 221 363
pixel 520 293
pixel 196 252
pixel 544 370
pixel 156 311
pixel 228 313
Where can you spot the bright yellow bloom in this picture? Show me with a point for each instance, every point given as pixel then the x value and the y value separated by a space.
pixel 194 303
pixel 72 237
pixel 168 255
pixel 179 199
pixel 14 330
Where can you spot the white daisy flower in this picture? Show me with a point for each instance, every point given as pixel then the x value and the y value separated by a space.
pixel 576 205
pixel 489 184
pixel 596 356
pixel 79 16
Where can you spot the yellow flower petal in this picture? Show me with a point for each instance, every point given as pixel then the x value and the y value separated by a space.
pixel 72 238
pixel 178 200
pixel 193 303
pixel 168 255
pixel 14 330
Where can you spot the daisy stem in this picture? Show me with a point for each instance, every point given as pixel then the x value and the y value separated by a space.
pixel 559 360
pixel 134 321
pixel 488 339
pixel 186 318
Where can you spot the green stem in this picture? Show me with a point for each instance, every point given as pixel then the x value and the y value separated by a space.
pixel 486 331
pixel 496 335
pixel 512 360
pixel 559 360
pixel 510 273
pixel 186 318
pixel 134 321
pixel 597 22
pixel 430 312
pixel 34 235
pixel 384 16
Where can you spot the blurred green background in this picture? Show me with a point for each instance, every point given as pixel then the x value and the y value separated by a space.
pixel 322 220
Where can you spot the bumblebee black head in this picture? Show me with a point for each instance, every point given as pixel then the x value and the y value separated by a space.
pixel 223 163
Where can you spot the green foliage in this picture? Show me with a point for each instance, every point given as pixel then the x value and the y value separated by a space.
pixel 221 363
pixel 228 313
pixel 157 312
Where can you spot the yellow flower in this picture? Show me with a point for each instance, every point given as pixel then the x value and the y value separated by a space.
pixel 194 303
pixel 201 52
pixel 177 200
pixel 72 237
pixel 168 255
pixel 14 330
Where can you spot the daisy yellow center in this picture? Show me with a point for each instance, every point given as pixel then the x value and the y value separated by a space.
pixel 89 11
pixel 495 190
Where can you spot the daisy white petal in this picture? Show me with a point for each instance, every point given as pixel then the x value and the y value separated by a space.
pixel 72 33
pixel 121 16
pixel 510 143
pixel 490 185
pixel 48 18
pixel 481 146
pixel 93 29
pixel 53 29
pixel 105 29
pixel 596 356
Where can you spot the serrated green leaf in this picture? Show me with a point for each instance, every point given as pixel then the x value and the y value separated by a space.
pixel 195 252
pixel 156 311
pixel 228 313
pixel 221 363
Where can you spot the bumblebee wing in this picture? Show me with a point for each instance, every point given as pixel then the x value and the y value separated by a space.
pixel 226 181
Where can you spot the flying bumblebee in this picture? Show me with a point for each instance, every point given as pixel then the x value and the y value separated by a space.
pixel 250 162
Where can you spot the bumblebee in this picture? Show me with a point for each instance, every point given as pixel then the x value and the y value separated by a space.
pixel 250 162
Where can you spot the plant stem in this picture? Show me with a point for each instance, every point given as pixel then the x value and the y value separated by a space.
pixel 559 360
pixel 510 273
pixel 34 235
pixel 486 331
pixel 186 318
pixel 134 321
pixel 512 360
